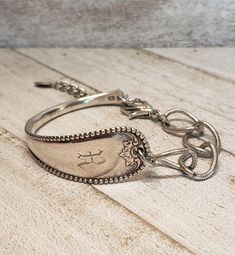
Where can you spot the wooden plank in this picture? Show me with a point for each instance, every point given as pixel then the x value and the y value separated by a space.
pixel 198 215
pixel 218 62
pixel 117 23
pixel 41 214
pixel 164 84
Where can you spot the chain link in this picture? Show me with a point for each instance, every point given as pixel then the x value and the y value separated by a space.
pixel 70 86
pixel 136 108
pixel 66 85
pixel 207 149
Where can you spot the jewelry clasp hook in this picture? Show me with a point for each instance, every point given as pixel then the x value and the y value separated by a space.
pixel 136 108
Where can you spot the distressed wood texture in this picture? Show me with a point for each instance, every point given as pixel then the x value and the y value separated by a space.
pixel 160 211
pixel 212 60
pixel 41 215
pixel 114 23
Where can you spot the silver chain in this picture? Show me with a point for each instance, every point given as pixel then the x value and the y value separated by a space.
pixel 137 108
pixel 66 85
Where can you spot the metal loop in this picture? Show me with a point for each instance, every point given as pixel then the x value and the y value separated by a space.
pixel 159 116
pixel 179 131
pixel 211 170
pixel 150 160
pixel 200 150
pixel 161 158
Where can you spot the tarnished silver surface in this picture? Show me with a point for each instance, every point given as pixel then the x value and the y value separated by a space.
pixel 115 154
pixel 102 156
pixel 106 153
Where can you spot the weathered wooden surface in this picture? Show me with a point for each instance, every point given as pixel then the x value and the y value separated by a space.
pixel 41 215
pixel 115 23
pixel 159 211
pixel 212 60
pixel 167 85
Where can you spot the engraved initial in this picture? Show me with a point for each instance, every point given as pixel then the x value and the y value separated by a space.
pixel 91 158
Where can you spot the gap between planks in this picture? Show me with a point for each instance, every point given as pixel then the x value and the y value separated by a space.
pixel 166 92
pixel 173 242
pixel 157 53
pixel 55 70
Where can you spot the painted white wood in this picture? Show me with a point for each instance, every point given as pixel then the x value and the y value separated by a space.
pixel 40 214
pixel 117 23
pixel 199 215
pixel 219 62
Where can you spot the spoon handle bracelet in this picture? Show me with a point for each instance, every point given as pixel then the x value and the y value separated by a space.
pixel 117 153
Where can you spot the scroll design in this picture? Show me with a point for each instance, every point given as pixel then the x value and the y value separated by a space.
pixel 127 153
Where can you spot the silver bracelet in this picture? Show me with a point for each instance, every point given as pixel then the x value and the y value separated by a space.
pixel 118 153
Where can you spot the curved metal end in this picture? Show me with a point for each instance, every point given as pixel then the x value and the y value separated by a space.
pixel 43 84
pixel 206 175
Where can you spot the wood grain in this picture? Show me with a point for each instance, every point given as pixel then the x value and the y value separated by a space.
pixel 215 61
pixel 165 84
pixel 113 23
pixel 199 216
pixel 40 214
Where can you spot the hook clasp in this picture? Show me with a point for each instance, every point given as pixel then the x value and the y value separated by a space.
pixel 136 108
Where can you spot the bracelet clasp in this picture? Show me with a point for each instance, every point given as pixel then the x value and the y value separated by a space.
pixel 136 108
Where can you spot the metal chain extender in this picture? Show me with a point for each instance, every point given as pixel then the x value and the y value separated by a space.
pixel 137 108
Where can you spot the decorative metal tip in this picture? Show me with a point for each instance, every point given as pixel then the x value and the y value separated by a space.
pixel 43 84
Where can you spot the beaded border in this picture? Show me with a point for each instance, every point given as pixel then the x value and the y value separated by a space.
pixel 83 137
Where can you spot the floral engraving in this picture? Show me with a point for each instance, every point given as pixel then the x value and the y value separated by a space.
pixel 127 153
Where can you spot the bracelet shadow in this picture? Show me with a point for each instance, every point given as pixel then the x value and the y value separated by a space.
pixel 151 175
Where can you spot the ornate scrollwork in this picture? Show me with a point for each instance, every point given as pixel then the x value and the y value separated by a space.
pixel 128 154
